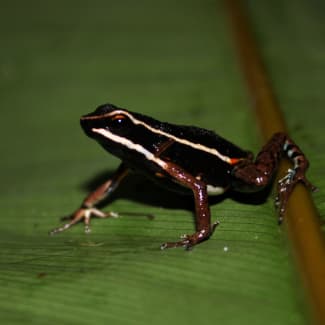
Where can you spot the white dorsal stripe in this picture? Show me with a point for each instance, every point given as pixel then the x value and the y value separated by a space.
pixel 198 146
pixel 131 145
pixel 180 140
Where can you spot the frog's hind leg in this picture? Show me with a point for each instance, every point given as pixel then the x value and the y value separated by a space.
pixel 255 175
pixel 294 175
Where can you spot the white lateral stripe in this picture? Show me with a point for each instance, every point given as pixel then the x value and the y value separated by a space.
pixel 215 190
pixel 212 190
pixel 168 135
pixel 129 144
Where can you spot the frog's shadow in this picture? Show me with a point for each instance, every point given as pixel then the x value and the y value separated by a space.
pixel 140 189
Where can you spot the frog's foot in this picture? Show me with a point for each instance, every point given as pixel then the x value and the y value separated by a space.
pixel 188 241
pixel 84 214
pixel 286 186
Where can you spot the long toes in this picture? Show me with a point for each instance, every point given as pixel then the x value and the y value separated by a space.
pixel 310 186
pixel 182 243
pixel 60 229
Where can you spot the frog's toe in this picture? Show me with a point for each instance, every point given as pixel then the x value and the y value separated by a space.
pixel 182 243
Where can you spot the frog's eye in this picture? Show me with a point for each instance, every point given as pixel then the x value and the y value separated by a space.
pixel 118 119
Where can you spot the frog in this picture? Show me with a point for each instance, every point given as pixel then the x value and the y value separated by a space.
pixel 188 159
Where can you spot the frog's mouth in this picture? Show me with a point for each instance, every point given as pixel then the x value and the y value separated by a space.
pixel 89 124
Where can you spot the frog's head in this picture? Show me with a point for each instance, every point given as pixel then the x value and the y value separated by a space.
pixel 108 118
pixel 118 130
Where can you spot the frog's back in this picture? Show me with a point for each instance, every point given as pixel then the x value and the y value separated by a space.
pixel 205 138
pixel 202 153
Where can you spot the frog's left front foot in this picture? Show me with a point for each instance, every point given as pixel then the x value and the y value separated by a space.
pixel 286 186
pixel 188 241
pixel 84 214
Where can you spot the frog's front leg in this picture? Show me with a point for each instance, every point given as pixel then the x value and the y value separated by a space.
pixel 253 176
pixel 204 229
pixel 88 206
